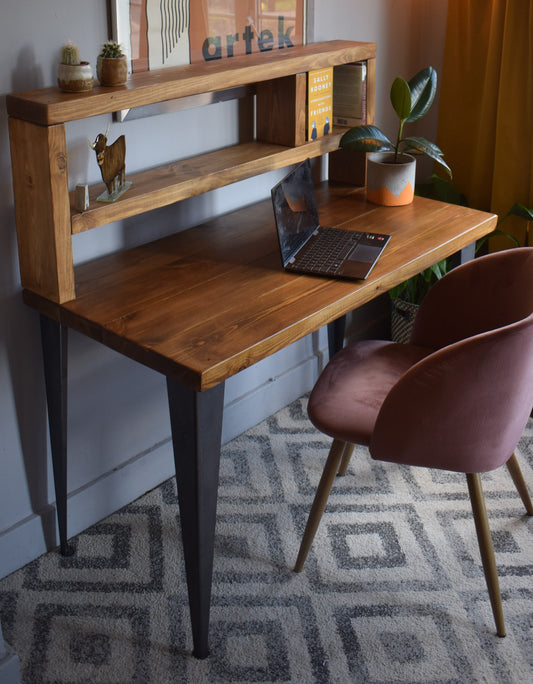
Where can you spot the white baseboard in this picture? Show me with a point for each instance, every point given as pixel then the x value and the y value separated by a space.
pixel 24 542
pixel 250 398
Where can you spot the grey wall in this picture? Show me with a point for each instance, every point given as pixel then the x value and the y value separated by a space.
pixel 119 434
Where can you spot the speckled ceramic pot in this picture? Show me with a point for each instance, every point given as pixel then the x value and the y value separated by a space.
pixel 75 78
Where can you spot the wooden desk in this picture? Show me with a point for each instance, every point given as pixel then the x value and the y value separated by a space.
pixel 203 304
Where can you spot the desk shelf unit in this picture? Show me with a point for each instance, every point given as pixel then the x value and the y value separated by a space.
pixel 45 213
pixel 203 304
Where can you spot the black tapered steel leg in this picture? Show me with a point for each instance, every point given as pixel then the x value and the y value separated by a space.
pixel 336 331
pixel 196 421
pixel 54 340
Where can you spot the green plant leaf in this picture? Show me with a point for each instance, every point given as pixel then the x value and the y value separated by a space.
pixel 495 233
pixel 398 290
pixel 440 269
pixel 400 97
pixel 415 289
pixel 521 211
pixel 423 87
pixel 446 192
pixel 365 139
pixel 418 145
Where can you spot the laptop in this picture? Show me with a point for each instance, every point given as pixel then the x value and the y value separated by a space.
pixel 308 247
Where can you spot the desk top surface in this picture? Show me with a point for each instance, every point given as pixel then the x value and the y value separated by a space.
pixel 207 302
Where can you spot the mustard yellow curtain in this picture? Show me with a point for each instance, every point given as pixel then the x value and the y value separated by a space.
pixel 486 105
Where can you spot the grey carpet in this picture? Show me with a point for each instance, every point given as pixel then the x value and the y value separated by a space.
pixel 393 589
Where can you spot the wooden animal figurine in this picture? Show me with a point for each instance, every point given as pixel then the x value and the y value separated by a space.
pixel 112 162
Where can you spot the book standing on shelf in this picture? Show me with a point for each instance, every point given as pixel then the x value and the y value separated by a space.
pixel 349 95
pixel 319 102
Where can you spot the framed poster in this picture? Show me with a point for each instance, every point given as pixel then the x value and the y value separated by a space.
pixel 162 33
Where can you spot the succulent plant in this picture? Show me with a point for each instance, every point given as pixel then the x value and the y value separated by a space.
pixel 70 54
pixel 111 49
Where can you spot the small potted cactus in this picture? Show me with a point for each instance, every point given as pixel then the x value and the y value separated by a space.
pixel 112 65
pixel 73 75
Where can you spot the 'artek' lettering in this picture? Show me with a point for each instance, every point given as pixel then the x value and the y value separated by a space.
pixel 206 47
pixel 265 40
pixel 247 36
pixel 284 38
pixel 212 46
pixel 231 39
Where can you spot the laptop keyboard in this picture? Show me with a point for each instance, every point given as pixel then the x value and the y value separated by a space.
pixel 328 250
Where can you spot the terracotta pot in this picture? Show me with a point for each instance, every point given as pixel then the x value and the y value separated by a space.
pixel 112 71
pixel 75 78
pixel 388 183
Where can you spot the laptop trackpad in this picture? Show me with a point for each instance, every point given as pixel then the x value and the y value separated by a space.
pixel 365 253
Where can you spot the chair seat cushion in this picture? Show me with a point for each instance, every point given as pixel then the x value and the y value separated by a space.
pixel 348 395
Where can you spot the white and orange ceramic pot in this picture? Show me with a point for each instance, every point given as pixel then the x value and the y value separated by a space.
pixel 390 183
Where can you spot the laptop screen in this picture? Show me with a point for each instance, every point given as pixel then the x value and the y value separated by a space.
pixel 295 209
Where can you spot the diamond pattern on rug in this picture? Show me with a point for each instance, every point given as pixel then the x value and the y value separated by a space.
pixel 106 559
pixel 392 590
pixel 415 640
pixel 88 640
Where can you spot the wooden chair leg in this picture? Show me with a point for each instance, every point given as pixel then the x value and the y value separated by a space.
pixel 346 456
pixel 486 548
pixel 319 503
pixel 520 484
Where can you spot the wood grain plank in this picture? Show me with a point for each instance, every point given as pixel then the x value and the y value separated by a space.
pixel 281 110
pixel 50 106
pixel 234 333
pixel 205 303
pixel 237 237
pixel 370 90
pixel 39 164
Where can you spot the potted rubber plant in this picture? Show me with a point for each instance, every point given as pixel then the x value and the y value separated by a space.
pixel 73 75
pixel 112 65
pixel 391 167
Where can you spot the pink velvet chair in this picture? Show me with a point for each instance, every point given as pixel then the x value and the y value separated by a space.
pixel 457 397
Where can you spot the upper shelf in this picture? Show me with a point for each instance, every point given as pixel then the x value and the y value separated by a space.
pixel 50 106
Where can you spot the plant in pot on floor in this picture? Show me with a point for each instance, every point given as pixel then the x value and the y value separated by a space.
pixel 391 167
pixel 112 65
pixel 407 296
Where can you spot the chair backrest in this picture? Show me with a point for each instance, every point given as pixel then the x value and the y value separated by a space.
pixel 486 293
pixel 462 408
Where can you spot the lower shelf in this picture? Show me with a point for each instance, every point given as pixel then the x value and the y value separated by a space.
pixel 179 180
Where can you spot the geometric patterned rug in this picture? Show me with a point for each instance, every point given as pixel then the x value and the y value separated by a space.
pixel 392 590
